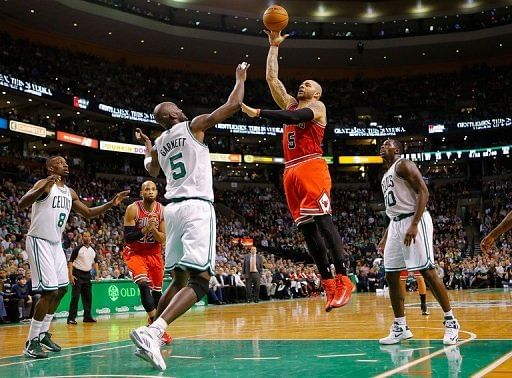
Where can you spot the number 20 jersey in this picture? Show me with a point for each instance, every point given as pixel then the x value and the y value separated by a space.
pixel 399 196
pixel 186 164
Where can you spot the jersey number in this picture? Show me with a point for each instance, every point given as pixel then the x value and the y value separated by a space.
pixel 62 219
pixel 291 140
pixel 177 167
pixel 389 199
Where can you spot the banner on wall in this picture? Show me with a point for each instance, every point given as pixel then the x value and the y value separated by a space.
pixel 122 147
pixel 360 160
pixel 77 139
pixel 27 128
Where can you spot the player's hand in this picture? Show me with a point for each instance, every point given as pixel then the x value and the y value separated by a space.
pixel 50 181
pixel 275 38
pixel 72 280
pixel 381 246
pixel 141 137
pixel 487 243
pixel 251 112
pixel 120 197
pixel 410 235
pixel 241 71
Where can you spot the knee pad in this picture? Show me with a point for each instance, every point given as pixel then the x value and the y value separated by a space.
pixel 200 286
pixel 145 296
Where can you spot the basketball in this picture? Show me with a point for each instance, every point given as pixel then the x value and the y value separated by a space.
pixel 275 18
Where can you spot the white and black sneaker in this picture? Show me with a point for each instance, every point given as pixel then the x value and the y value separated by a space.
pixel 397 333
pixel 147 340
pixel 451 332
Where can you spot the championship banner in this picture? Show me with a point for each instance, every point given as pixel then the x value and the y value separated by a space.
pixel 360 160
pixel 122 147
pixel 27 128
pixel 77 139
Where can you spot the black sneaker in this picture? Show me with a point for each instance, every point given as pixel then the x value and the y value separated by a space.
pixel 46 341
pixel 33 349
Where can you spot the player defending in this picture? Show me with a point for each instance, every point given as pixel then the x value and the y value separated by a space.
pixel 504 226
pixel 307 182
pixel 144 234
pixel 51 202
pixel 190 222
pixel 408 241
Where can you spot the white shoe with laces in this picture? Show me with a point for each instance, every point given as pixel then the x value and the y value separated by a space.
pixel 397 333
pixel 451 332
pixel 147 339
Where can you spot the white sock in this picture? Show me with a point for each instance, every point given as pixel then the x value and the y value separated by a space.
pixel 35 329
pixel 400 321
pixel 449 315
pixel 159 324
pixel 46 322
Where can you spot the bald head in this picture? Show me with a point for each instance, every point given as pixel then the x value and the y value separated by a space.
pixel 396 144
pixel 148 191
pixel 167 114
pixel 309 90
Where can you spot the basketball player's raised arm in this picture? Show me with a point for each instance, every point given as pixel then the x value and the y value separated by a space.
pixel 91 212
pixel 504 226
pixel 203 122
pixel 151 155
pixel 410 172
pixel 279 94
pixel 41 187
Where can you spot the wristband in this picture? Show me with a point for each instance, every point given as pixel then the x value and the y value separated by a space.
pixel 147 162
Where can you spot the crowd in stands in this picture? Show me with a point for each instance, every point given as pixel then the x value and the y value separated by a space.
pixel 259 215
pixel 486 89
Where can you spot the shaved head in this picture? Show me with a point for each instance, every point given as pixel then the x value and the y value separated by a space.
pixel 309 90
pixel 397 145
pixel 147 183
pixel 52 160
pixel 167 114
pixel 317 87
pixel 148 191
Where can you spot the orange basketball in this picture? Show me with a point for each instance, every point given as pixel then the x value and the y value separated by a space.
pixel 275 18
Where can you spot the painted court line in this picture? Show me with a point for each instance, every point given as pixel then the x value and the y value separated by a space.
pixel 31 360
pixel 492 366
pixel 389 373
pixel 341 355
pixel 187 357
pixel 256 358
pixel 367 360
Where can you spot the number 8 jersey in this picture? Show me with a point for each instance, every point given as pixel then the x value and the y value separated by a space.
pixel 50 214
pixel 399 197
pixel 186 164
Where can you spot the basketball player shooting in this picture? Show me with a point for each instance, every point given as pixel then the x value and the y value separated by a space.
pixel 51 202
pixel 307 182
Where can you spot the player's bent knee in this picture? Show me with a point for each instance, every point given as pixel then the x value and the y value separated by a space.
pixel 200 286
pixel 145 296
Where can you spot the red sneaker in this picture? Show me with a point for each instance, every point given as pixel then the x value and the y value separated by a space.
pixel 329 286
pixel 343 291
pixel 166 338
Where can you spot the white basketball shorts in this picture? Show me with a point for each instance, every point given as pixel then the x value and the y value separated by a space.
pixel 190 227
pixel 419 255
pixel 47 264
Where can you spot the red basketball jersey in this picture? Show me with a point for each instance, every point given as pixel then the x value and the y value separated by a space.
pixel 303 141
pixel 147 243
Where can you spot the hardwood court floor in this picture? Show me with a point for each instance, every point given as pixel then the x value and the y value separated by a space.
pixel 285 338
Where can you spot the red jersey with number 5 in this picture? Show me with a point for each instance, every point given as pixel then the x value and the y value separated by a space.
pixel 302 142
pixel 146 244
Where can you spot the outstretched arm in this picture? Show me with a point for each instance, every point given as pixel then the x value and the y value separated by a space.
pixel 504 226
pixel 203 122
pixel 314 111
pixel 279 94
pixel 151 155
pixel 91 212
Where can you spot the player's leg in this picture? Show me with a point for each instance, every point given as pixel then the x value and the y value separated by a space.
pixel 422 291
pixel 156 278
pixel 44 277
pixel 316 249
pixel 179 281
pixel 76 289
pixel 422 257
pixel 137 265
pixel 394 263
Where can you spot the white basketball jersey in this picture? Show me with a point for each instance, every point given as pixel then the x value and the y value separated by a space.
pixel 50 214
pixel 399 197
pixel 186 164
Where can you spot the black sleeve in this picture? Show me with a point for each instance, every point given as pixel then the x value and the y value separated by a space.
pixel 289 116
pixel 131 234
pixel 74 254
